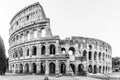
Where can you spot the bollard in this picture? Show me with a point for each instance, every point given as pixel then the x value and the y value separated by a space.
pixel 46 78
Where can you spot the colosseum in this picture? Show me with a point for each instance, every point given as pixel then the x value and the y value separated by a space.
pixel 34 49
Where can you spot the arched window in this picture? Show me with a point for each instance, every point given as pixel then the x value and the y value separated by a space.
pixel 63 50
pixel 15 55
pixel 43 32
pixel 90 47
pixel 95 69
pixel 27 68
pixel 90 55
pixel 99 55
pixel 62 68
pixel 90 69
pixel 52 68
pixel 43 50
pixel 28 35
pixel 21 68
pixel 34 68
pixel 71 51
pixel 80 69
pixel 28 52
pixel 84 53
pixel 20 52
pixel 103 56
pixel 99 69
pixel 52 49
pixel 95 55
pixel 34 50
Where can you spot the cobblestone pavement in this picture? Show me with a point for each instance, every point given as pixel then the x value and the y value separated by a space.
pixel 41 77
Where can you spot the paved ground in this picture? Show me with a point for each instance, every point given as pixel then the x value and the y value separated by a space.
pixel 40 77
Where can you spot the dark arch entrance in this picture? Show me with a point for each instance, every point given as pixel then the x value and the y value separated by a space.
pixel 34 68
pixel 27 68
pixel 34 50
pixel 43 50
pixel 52 49
pixel 95 69
pixel 62 68
pixel 80 69
pixel 52 68
pixel 103 69
pixel 21 68
pixel 63 50
pixel 42 68
pixel 72 67
pixel 99 69
pixel 90 69
pixel 71 49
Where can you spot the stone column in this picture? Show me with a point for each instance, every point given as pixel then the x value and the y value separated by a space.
pixel 38 68
pixel 30 68
pixel 57 67
pixel 24 68
pixel 31 35
pixel 38 50
pixel 38 32
pixel 47 49
pixel 57 48
pixel 68 67
pixel 76 69
pixel 46 68
pixel 48 30
pixel 24 52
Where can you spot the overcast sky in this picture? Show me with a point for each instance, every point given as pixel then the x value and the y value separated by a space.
pixel 86 18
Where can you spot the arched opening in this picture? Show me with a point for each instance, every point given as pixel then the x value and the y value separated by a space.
pixel 99 69
pixel 103 69
pixel 43 50
pixel 20 52
pixel 52 68
pixel 85 54
pixel 52 49
pixel 80 69
pixel 62 68
pixel 28 35
pixel 90 55
pixel 63 50
pixel 90 69
pixel 95 55
pixel 72 66
pixel 90 47
pixel 42 68
pixel 106 69
pixel 28 52
pixel 22 37
pixel 34 69
pixel 21 68
pixel 34 50
pixel 103 56
pixel 43 32
pixel 15 54
pixel 99 55
pixel 71 51
pixel 27 68
pixel 95 69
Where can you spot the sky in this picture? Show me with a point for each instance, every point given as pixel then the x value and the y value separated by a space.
pixel 98 19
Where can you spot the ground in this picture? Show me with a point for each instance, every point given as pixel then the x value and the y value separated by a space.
pixel 40 77
pixel 11 76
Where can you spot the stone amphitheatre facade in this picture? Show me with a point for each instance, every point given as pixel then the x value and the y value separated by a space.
pixel 33 48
